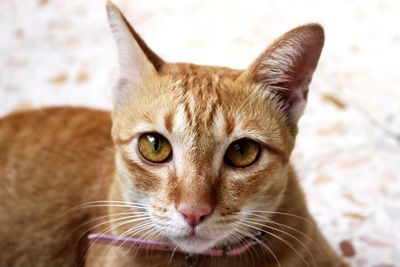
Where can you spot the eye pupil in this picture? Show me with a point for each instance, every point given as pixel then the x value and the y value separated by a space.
pixel 156 143
pixel 241 148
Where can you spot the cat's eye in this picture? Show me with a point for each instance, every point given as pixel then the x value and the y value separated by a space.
pixel 154 147
pixel 242 153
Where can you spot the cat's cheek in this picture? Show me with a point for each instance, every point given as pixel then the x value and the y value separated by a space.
pixel 252 186
pixel 145 176
pixel 123 175
pixel 238 191
pixel 131 194
pixel 132 185
pixel 241 183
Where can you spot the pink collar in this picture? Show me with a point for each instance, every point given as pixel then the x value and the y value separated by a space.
pixel 245 244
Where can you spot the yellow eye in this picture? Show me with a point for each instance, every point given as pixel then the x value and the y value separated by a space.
pixel 242 153
pixel 154 147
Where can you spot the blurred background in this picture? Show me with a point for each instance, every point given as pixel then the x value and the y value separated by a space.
pixel 55 52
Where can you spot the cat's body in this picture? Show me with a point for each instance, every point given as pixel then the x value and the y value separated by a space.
pixel 195 194
pixel 51 160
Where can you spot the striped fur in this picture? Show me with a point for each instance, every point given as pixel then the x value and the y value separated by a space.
pixel 81 155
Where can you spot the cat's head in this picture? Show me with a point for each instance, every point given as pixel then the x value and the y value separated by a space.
pixel 205 147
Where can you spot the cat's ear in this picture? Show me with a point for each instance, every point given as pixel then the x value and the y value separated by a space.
pixel 287 66
pixel 137 61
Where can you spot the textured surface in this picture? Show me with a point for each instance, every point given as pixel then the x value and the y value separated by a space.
pixel 347 155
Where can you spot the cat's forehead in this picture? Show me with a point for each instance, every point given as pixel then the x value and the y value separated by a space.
pixel 209 103
pixel 202 95
pixel 202 87
pixel 197 93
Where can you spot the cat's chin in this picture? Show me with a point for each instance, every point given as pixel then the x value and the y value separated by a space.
pixel 194 244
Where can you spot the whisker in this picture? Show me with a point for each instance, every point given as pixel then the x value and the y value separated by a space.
pixel 263 219
pixel 152 236
pixel 144 235
pixel 109 229
pixel 235 238
pixel 132 231
pixel 112 220
pixel 172 254
pixel 286 233
pixel 281 225
pixel 125 223
pixel 279 213
pixel 251 248
pixel 141 226
pixel 106 203
pixel 103 217
pixel 279 238
pixel 114 201
pixel 265 246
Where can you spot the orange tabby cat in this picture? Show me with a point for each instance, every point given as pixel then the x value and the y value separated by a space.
pixel 194 156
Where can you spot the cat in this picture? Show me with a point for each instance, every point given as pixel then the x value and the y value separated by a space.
pixel 194 156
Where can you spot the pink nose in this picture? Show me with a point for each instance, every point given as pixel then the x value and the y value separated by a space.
pixel 194 214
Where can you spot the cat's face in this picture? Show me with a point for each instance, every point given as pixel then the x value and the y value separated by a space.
pixel 204 148
pixel 210 143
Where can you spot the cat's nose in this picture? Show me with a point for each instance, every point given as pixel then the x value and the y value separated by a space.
pixel 194 215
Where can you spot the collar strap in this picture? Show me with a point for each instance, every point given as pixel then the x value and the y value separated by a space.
pixel 130 242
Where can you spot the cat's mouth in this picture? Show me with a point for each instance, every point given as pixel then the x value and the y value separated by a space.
pixel 194 243
pixel 200 239
pixel 198 244
pixel 194 237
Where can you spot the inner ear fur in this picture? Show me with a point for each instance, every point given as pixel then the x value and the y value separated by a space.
pixel 286 67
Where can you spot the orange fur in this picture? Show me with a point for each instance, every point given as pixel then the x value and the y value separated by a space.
pixel 54 159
